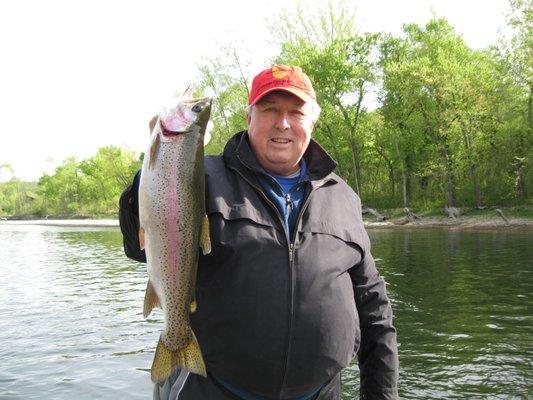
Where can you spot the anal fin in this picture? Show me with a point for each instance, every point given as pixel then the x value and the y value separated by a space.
pixel 141 238
pixel 150 300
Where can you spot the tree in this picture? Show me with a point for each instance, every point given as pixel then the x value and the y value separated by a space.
pixel 225 80
pixel 517 53
pixel 107 173
pixel 88 187
pixel 435 95
pixel 342 67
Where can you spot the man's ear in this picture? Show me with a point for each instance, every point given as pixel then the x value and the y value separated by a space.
pixel 248 118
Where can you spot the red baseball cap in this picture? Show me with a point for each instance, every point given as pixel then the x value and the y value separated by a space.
pixel 281 77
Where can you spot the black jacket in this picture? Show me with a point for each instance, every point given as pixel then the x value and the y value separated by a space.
pixel 277 318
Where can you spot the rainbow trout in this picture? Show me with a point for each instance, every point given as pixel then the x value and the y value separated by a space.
pixel 173 225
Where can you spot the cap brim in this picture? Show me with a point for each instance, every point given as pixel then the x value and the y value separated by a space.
pixel 297 92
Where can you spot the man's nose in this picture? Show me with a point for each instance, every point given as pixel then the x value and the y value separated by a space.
pixel 282 123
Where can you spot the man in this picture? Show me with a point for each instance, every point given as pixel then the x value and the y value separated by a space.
pixel 289 293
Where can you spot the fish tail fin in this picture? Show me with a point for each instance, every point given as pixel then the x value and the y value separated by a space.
pixel 166 361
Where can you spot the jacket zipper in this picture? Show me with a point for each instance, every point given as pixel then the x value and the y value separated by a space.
pixel 291 272
pixel 291 268
pixel 291 260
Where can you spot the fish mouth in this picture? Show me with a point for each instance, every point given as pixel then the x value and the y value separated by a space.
pixel 168 135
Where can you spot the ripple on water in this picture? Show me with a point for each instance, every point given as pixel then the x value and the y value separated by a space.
pixel 70 298
pixel 72 326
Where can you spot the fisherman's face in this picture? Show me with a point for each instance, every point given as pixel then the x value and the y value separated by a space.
pixel 279 127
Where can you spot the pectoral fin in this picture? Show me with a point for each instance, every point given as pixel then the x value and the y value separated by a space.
pixel 193 306
pixel 141 238
pixel 207 134
pixel 154 150
pixel 150 300
pixel 205 240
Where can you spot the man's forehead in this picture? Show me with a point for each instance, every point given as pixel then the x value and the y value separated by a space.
pixel 277 95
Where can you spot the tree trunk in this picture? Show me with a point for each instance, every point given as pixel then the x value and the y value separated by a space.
pixel 521 164
pixel 448 175
pixel 334 144
pixel 405 193
pixel 500 213
pixel 390 168
pixel 352 126
pixel 530 134
pixel 472 167
pixel 353 150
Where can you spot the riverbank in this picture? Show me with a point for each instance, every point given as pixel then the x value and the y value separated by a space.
pixel 488 219
pixel 464 223
pixel 74 223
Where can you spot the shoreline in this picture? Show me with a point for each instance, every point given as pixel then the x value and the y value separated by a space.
pixel 462 223
pixel 74 223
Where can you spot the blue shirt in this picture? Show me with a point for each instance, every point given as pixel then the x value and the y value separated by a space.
pixel 287 194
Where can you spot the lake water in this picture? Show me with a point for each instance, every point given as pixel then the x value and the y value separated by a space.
pixel 71 324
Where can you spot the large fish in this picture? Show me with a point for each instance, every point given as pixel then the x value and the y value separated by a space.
pixel 173 225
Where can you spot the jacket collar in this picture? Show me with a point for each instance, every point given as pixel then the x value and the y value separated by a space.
pixel 238 154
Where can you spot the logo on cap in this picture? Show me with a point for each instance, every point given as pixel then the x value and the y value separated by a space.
pixel 279 73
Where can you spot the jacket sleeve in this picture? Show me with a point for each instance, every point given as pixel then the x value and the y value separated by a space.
pixel 378 350
pixel 129 220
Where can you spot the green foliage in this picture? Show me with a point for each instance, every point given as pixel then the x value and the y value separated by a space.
pixel 224 80
pixel 454 126
pixel 19 198
pixel 342 66
pixel 457 133
pixel 77 188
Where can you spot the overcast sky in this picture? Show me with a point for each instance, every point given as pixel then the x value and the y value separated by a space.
pixel 79 75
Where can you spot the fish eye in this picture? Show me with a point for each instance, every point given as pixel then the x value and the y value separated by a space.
pixel 198 107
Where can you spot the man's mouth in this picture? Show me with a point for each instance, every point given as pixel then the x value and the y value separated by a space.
pixel 280 140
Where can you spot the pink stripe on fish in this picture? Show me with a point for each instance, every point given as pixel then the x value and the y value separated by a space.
pixel 173 226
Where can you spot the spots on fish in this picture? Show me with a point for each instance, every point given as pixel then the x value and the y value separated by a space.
pixel 176 185
pixel 171 198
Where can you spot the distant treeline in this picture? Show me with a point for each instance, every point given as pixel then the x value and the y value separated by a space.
pixel 90 187
pixel 420 120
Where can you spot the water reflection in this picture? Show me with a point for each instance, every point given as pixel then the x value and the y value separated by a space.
pixel 73 327
pixel 462 306
pixel 71 322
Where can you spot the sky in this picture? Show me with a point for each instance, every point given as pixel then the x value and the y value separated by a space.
pixel 79 75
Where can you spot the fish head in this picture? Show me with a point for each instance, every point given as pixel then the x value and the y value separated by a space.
pixel 187 114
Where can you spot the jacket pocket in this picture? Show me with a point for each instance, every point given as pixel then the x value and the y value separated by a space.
pixel 240 235
pixel 349 235
pixel 233 212
pixel 240 225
